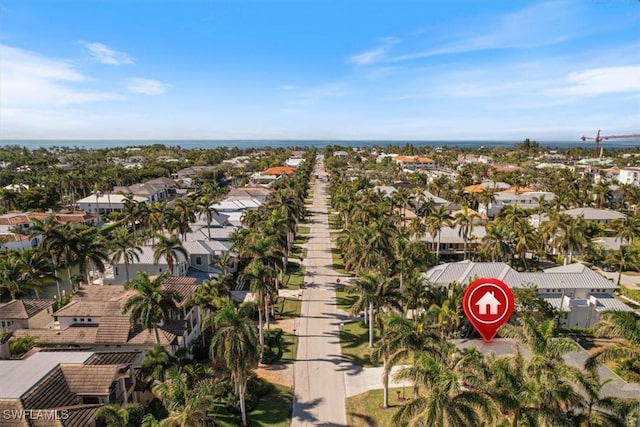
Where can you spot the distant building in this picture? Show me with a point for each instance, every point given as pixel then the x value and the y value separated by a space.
pixel 601 216
pixel 526 200
pixel 629 175
pixel 103 204
pixel 25 314
pixel 415 162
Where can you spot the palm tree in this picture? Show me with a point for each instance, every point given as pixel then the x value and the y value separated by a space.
pixel 399 340
pixel 125 246
pixel 572 237
pixel 36 269
pixel 416 294
pixel 525 239
pixel 438 219
pixel 596 410
pixel 169 248
pixel 188 402
pixel 624 258
pixel 375 292
pixel 464 219
pixel 453 397
pixel 259 277
pixel 626 348
pixel 10 275
pixel 236 343
pixel 157 361
pixel 628 229
pixel 203 207
pixel 152 304
pixel 129 415
pixel 89 249
pixel 495 244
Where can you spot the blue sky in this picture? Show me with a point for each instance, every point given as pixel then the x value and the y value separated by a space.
pixel 331 69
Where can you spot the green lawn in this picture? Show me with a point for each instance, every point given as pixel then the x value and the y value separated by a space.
pixel 304 229
pixel 290 308
pixel 364 410
pixel 273 410
pixel 289 344
pixel 296 275
pixel 338 264
pixel 345 300
pixel 354 340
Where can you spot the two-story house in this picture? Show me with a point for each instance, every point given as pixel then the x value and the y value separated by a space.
pixel 25 314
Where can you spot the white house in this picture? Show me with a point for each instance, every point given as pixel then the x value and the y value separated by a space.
pixel 629 175
pixel 116 274
pixel 585 293
pixel 105 203
pixel 601 216
pixel 526 200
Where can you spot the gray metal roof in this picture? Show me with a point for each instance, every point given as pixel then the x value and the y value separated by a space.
pixel 573 276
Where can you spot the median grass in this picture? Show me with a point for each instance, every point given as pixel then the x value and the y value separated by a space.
pixel 290 308
pixel 304 229
pixel 338 264
pixel 289 345
pixel 345 300
pixel 295 275
pixel 364 410
pixel 273 410
pixel 354 340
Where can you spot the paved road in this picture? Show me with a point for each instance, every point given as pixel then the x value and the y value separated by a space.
pixel 319 379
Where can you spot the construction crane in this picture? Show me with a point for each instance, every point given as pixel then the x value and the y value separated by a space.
pixel 598 138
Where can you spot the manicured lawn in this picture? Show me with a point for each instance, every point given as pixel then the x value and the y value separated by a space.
pixel 290 308
pixel 289 344
pixel 304 229
pixel 296 275
pixel 345 300
pixel 363 410
pixel 354 339
pixel 336 259
pixel 273 410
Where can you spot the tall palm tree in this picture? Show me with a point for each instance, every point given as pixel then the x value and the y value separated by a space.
pixel 464 219
pixel 152 304
pixel 624 258
pixel 11 274
pixel 36 269
pixel 203 207
pixel 236 344
pixel 438 219
pixel 375 292
pixel 625 352
pixel 628 229
pixel 90 250
pixel 571 238
pixel 525 239
pixel 259 277
pixel 170 248
pixel 157 362
pixel 495 244
pixel 125 246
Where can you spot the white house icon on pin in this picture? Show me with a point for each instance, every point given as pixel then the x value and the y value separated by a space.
pixel 488 300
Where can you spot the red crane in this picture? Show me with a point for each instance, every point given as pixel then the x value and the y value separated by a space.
pixel 598 138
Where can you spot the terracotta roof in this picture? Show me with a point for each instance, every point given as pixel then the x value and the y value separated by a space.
pixel 90 379
pixel 183 286
pixel 506 168
pixel 13 237
pixel 279 170
pixel 414 159
pixel 113 330
pixel 518 190
pixel 475 188
pixel 78 217
pixel 23 309
pixel 13 219
pixel 84 308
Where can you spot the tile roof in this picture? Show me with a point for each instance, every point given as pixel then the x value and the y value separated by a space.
pixel 80 416
pixel 141 336
pixel 50 392
pixel 13 237
pixel 23 309
pixel 279 170
pixel 113 330
pixel 90 379
pixel 74 335
pixel 113 358
pixel 413 159
pixel 595 214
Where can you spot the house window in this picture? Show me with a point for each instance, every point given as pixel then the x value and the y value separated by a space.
pixel 89 319
pixel 160 269
pixel 198 260
pixel 116 270
pixel 82 319
pixel 75 319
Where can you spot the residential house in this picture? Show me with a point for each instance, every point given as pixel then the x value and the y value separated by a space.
pixel 271 174
pixel 155 190
pixel 94 319
pixel 600 216
pixel 294 162
pixel 488 185
pixel 14 230
pixel 577 291
pixel 64 388
pixel 105 203
pixel 629 175
pixel 25 314
pixel 116 273
pixel 526 200
pixel 415 163
pixel 451 241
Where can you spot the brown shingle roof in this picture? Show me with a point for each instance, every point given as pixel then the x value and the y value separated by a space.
pixel 23 309
pixel 183 286
pixel 113 330
pixel 113 358
pixel 90 379
pixel 50 392
pixel 73 335
pixel 12 405
pixel 13 237
pixel 279 170
pixel 81 416
pixel 141 336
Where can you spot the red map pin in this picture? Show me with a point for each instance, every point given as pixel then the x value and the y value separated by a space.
pixel 488 304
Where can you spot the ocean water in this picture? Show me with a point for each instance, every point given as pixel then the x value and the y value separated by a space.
pixel 190 144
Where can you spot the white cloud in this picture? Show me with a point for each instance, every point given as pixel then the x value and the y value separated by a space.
pixel 105 55
pixel 31 80
pixel 374 55
pixel 146 86
pixel 604 80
